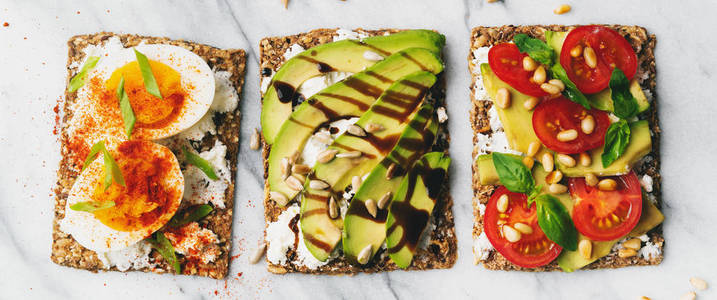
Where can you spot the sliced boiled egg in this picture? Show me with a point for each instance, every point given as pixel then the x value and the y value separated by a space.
pixel 152 193
pixel 185 81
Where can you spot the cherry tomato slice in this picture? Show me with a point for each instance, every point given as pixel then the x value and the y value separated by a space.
pixel 532 250
pixel 552 116
pixel 606 215
pixel 506 61
pixel 611 49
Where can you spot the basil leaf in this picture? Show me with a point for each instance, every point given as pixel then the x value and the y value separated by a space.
pixel 513 174
pixel 200 163
pixel 96 148
pixel 616 139
pixel 112 170
pixel 165 248
pixel 196 214
pixel 571 90
pixel 534 194
pixel 535 48
pixel 91 206
pixel 625 105
pixel 126 109
pixel 79 80
pixel 556 223
pixel 150 84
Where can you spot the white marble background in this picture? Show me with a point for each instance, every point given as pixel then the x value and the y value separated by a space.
pixel 32 76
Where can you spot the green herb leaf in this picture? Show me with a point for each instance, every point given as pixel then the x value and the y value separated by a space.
pixel 112 170
pixel 79 80
pixel 196 214
pixel 536 49
pixel 571 90
pixel 150 84
pixel 513 174
pixel 624 103
pixel 534 194
pixel 96 148
pixel 126 109
pixel 200 163
pixel 556 223
pixel 616 139
pixel 91 206
pixel 165 248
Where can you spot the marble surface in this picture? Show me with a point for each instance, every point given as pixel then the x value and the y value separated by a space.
pixel 32 76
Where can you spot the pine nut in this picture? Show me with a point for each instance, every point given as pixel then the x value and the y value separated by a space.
pixel 258 254
pixel 698 283
pixel 530 103
pixel 279 198
pixel 585 247
pixel 364 255
pixel 625 253
pixel 294 157
pixel 371 207
pixel 585 159
pixel 567 135
pixel 528 162
pixel 566 160
pixel 539 75
pixel 383 202
pixel 350 154
pixel 529 64
pixel 588 124
pixel 550 88
pixel 590 57
pixel 373 127
pixel 591 179
pixel 390 170
pixel 554 177
pixel 557 188
pixel 689 296
pixel 633 244
pixel 547 161
pixel 533 148
pixel 523 228
pixel 356 130
pixel 294 183
pixel 558 83
pixel 502 204
pixel 285 167
pixel 576 51
pixel 562 9
pixel 502 98
pixel 355 183
pixel 333 208
pixel 318 184
pixel 607 184
pixel 254 143
pixel 300 169
pixel 326 155
pixel 511 234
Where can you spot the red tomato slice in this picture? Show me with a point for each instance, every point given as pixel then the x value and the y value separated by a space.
pixel 612 50
pixel 606 215
pixel 506 61
pixel 552 116
pixel 532 250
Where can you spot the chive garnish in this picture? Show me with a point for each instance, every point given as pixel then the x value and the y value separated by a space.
pixel 111 169
pixel 196 214
pixel 91 206
pixel 150 84
pixel 126 109
pixel 165 248
pixel 200 163
pixel 79 80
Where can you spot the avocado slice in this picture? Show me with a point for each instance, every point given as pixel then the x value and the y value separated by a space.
pixel 640 145
pixel 350 97
pixel 391 110
pixel 360 228
pixel 345 56
pixel 412 205
pixel 603 99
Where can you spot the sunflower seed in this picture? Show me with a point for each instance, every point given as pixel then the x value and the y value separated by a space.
pixel 294 183
pixel 326 155
pixel 285 168
pixel 390 170
pixel 279 198
pixel 356 130
pixel 258 254
pixel 333 211
pixel 318 184
pixel 371 207
pixel 300 169
pixel 355 183
pixel 364 255
pixel 383 202
pixel 254 143
pixel 349 154
pixel 373 127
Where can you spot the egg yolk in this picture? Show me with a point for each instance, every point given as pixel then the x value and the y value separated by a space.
pixel 144 198
pixel 150 111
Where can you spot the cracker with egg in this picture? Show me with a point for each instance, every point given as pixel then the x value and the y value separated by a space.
pixel 214 135
pixel 644 45
pixel 440 251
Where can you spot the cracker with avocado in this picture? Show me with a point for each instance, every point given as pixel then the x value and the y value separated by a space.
pixel 644 45
pixel 438 251
pixel 65 250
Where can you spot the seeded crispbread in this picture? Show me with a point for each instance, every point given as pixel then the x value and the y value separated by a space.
pixel 644 45
pixel 441 251
pixel 65 250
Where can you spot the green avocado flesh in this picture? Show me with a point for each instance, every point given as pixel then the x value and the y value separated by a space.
pixel 360 228
pixel 392 110
pixel 640 144
pixel 601 100
pixel 345 56
pixel 348 98
pixel 412 205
